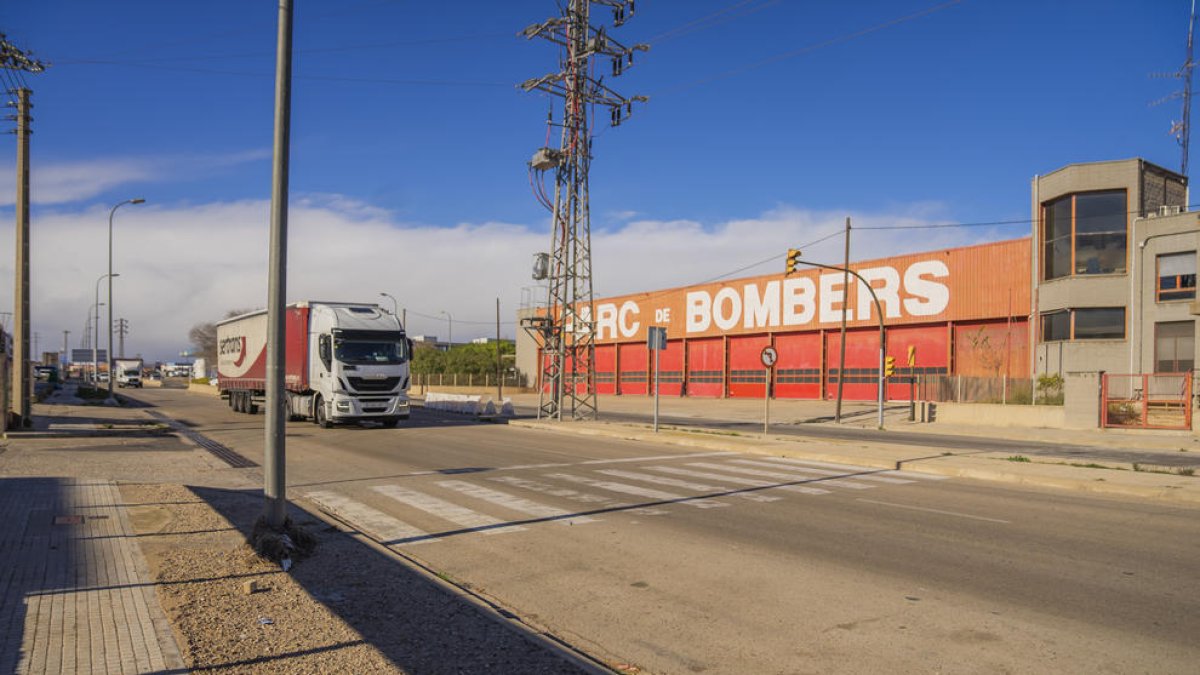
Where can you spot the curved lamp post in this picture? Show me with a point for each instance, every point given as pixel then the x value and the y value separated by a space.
pixel 136 200
pixel 395 305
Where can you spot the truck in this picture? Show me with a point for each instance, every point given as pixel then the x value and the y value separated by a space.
pixel 128 372
pixel 344 362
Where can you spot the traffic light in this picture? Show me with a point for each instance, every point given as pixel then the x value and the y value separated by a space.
pixel 889 366
pixel 793 259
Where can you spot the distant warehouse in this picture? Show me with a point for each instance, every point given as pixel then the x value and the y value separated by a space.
pixel 957 311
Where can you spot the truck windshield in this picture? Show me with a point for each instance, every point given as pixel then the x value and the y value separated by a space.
pixel 356 351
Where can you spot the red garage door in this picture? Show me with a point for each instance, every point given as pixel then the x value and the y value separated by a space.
pixel 705 367
pixel 929 343
pixel 862 364
pixel 606 369
pixel 747 376
pixel 670 369
pixel 798 371
pixel 632 362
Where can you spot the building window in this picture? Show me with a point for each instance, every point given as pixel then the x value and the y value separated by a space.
pixel 1056 326
pixel 1177 276
pixel 1174 346
pixel 1084 233
pixel 1092 323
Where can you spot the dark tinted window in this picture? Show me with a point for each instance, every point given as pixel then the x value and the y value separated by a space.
pixel 1107 323
pixel 1056 326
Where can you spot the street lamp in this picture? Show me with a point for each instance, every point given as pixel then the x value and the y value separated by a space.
pixel 450 320
pixel 136 200
pixel 96 331
pixel 395 305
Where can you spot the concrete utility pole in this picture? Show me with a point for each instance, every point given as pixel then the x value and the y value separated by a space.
pixel 18 62
pixel 22 375
pixel 65 354
pixel 568 329
pixel 274 469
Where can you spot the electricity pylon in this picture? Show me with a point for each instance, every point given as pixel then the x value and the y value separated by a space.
pixel 568 328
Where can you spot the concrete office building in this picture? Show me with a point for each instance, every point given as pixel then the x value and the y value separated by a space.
pixel 1113 270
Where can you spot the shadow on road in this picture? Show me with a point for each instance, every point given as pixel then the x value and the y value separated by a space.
pixel 416 623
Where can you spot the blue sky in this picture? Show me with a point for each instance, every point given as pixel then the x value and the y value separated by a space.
pixel 410 139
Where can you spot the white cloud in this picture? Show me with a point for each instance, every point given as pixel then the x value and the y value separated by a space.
pixel 184 264
pixel 66 182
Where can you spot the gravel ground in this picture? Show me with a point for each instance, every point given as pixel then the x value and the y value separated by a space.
pixel 347 608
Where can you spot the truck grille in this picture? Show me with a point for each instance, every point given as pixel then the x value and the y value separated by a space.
pixel 361 384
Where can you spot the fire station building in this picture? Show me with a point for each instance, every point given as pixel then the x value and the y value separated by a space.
pixel 1105 283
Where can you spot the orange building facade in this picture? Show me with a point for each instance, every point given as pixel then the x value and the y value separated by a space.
pixel 957 311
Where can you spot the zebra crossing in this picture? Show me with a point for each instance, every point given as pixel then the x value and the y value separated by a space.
pixel 431 508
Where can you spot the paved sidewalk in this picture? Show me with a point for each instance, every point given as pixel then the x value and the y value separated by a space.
pixel 75 595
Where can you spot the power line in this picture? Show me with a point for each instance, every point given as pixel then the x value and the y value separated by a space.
pixel 712 19
pixel 321 78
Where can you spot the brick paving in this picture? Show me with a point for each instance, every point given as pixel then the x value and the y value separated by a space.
pixel 75 595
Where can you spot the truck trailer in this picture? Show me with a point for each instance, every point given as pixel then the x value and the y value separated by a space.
pixel 128 372
pixel 343 362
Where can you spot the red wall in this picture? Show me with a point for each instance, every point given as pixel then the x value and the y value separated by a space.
pixel 633 378
pixel 706 367
pixel 747 376
pixel 670 369
pixel 798 371
pixel 606 369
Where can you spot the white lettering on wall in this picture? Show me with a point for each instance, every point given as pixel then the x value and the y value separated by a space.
pixel 699 311
pixel 606 321
pixel 762 311
pixel 930 297
pixel 628 328
pixel 727 297
pixel 833 292
pixel 799 301
pixel 888 293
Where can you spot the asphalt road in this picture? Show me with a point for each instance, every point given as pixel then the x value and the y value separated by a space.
pixel 937 441
pixel 682 562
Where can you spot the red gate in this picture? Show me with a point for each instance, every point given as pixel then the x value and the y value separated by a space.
pixel 1150 401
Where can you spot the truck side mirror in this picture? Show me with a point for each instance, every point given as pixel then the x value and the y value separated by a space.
pixel 410 348
pixel 323 351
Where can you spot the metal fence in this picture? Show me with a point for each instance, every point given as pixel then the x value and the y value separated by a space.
pixel 1147 401
pixel 961 389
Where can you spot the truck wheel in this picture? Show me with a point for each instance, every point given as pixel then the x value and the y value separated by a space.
pixel 251 406
pixel 390 422
pixel 319 415
pixel 235 401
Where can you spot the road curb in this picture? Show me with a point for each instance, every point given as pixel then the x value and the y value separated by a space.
pixel 1056 473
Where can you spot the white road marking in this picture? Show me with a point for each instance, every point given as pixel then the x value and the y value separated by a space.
pixel 738 480
pixel 454 513
pixel 687 485
pixel 513 502
pixel 551 465
pixel 574 495
pixel 648 493
pixel 379 525
pixel 656 458
pixel 824 472
pixel 944 513
pixel 778 475
pixel 850 467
